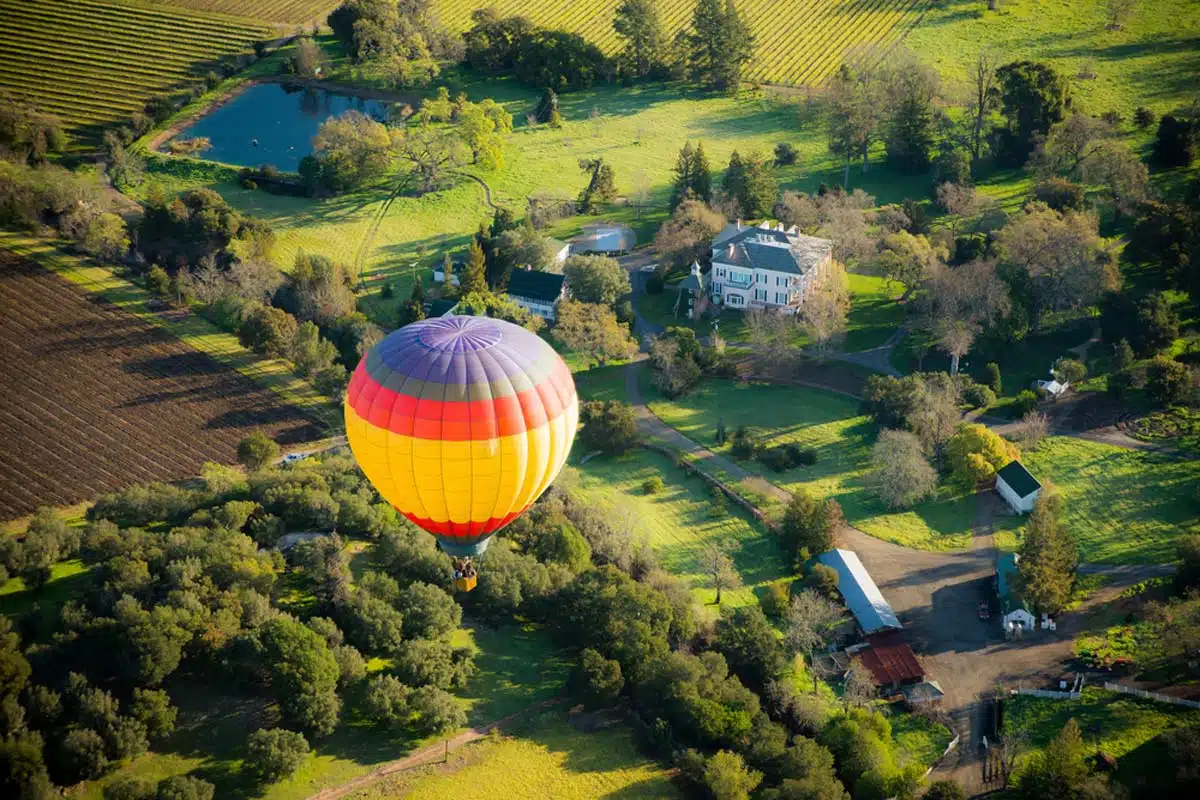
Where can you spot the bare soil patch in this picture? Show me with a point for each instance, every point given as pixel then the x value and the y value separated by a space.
pixel 93 399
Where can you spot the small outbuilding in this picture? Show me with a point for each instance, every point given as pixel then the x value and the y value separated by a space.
pixel 1018 487
pixel 891 661
pixel 537 292
pixel 440 308
pixel 923 694
pixel 1014 616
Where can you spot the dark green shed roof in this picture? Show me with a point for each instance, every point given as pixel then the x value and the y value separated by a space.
pixel 1019 479
pixel 534 285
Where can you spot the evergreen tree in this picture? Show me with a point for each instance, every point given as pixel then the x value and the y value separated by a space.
pixel 474 279
pixel 1048 557
pixel 1033 96
pixel 759 190
pixel 910 135
pixel 414 309
pixel 683 174
pixel 636 21
pixel 547 107
pixel 735 176
pixel 721 44
pixel 701 174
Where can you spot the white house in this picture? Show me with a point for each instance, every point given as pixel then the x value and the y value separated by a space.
pixel 1018 488
pixel 1014 615
pixel 561 250
pixel 537 292
pixel 766 266
pixel 1052 388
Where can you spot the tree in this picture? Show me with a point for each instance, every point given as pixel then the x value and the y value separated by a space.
pixel 909 260
pixel 811 621
pixel 275 753
pixel 944 790
pixel 858 687
pixel 1061 255
pixel 562 543
pixel 436 710
pixel 1117 13
pixel 693 176
pixel 597 679
pixel 593 329
pixel 717 565
pixel 29 133
pixel 352 149
pixel 857 110
pixel 481 127
pixel 912 88
pixel 1033 96
pixel 962 302
pixel 688 235
pixel 310 352
pixel 1047 556
pixel 808 773
pixel 303 674
pixel 826 309
pixel 751 183
pixel 984 99
pixel 1187 551
pixel 414 309
pixel 808 525
pixel 1147 325
pixel 1032 428
pixel 636 21
pixel 257 451
pixel 1061 770
pixel 600 186
pixel 83 754
pixel 105 237
pixel 900 475
pixel 184 787
pixel 596 279
pixel 1175 141
pixel 430 150
pixel 749 645
pixel 728 778
pixel 269 331
pixel 975 453
pixel 474 279
pixel 720 45
pixel 1168 382
pixel 609 426
pixel 385 701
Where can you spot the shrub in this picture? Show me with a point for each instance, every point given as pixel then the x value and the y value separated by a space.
pixel 597 679
pixel 775 459
pixel 743 445
pixel 1175 144
pixel 1119 384
pixel 1070 370
pixel 257 451
pixel 1026 401
pixel 1060 194
pixel 652 485
pixel 785 154
pixel 609 427
pixel 979 396
pixel 991 377
pixel 185 787
pixel 1144 117
pixel 775 601
pixel 1167 381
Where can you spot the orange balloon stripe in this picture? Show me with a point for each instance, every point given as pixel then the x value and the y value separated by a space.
pixel 475 420
pixel 463 530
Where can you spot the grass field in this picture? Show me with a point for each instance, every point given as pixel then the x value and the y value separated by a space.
pixel 831 425
pixel 1123 506
pixel 546 758
pixel 274 11
pixel 798 43
pixel 677 523
pixel 1151 61
pixel 93 62
pixel 1122 726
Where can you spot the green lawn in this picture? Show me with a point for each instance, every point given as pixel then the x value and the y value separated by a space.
pixel 831 425
pixel 601 383
pixel 677 521
pixel 1152 61
pixel 516 667
pixel 919 740
pixel 547 758
pixel 67 579
pixel 1125 727
pixel 1123 506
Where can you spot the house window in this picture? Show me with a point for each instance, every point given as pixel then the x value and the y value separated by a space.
pixel 780 298
pixel 735 300
pixel 760 294
pixel 721 272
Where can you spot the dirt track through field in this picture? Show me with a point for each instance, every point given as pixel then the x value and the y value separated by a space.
pixel 93 399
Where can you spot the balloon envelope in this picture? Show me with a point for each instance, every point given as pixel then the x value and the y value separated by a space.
pixel 461 423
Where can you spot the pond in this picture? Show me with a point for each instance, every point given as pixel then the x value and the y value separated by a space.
pixel 273 123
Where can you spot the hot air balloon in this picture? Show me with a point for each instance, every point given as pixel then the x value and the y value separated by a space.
pixel 461 423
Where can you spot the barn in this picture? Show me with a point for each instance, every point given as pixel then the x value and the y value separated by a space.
pixel 1018 487
pixel 859 592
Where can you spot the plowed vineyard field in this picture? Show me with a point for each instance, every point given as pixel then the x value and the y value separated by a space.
pixel 93 399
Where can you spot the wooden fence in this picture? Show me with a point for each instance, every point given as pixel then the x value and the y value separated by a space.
pixel 1048 694
pixel 1155 696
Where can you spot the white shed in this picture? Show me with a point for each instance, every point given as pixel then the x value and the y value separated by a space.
pixel 1018 488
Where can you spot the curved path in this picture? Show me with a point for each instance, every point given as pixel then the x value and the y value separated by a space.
pixel 487 190
pixel 429 754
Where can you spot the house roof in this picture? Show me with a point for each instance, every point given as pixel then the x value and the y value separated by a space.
pixel 533 285
pixel 923 692
pixel 891 660
pixel 441 307
pixel 771 249
pixel 1018 479
pixel 859 592
pixel 1006 573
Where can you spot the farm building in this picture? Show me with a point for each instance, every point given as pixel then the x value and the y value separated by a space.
pixel 1018 488
pixel 537 292
pixel 923 693
pixel 693 294
pixel 766 266
pixel 1013 613
pixel 891 661
pixel 859 592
